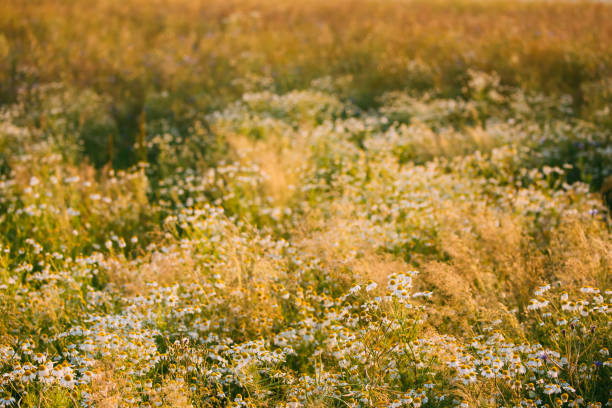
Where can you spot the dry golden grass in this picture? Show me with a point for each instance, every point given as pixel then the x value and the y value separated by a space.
pixel 182 45
pixel 197 197
pixel 279 159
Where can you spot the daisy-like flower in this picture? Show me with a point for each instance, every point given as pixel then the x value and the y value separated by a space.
pixel 487 372
pixel 6 400
pixel 45 373
pixel 293 403
pixel 395 404
pixel 541 290
pixel 28 375
pixel 39 358
pixel 568 306
pixel 88 376
pixel 535 304
pixel 67 380
pixel 552 389
pixel 589 289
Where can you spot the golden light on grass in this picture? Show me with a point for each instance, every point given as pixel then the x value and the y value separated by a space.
pixel 305 204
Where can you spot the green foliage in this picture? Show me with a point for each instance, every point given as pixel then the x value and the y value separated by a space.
pixel 224 204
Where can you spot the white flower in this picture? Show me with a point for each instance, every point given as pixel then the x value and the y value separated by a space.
pixel 589 289
pixel 67 380
pixel 6 400
pixel 552 389
pixel 535 304
pixel 540 291
pixel 39 358
pixel 28 375
pixel 88 376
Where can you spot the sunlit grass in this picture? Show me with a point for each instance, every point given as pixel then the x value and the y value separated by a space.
pixel 283 204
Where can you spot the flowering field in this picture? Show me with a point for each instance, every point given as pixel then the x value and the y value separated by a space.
pixel 324 204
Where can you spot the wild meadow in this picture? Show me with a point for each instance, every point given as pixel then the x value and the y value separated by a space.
pixel 349 203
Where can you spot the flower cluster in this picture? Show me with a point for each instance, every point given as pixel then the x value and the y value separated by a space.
pixel 281 270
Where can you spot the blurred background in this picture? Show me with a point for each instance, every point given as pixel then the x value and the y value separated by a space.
pixel 178 58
